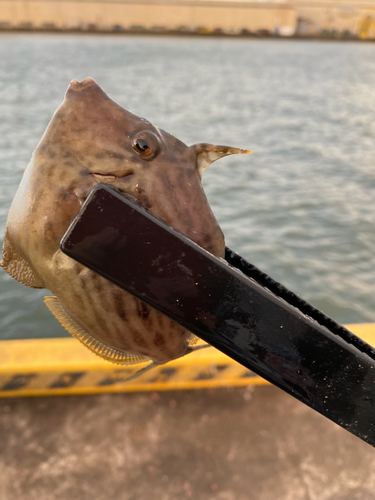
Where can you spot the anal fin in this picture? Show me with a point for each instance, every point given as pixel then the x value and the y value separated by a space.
pixel 106 352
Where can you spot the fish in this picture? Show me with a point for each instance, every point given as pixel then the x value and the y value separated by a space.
pixel 91 139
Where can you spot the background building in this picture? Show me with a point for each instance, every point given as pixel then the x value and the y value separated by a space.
pixel 340 18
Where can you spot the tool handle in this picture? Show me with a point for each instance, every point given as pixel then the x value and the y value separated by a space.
pixel 330 371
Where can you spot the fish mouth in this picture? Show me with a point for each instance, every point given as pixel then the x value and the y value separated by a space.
pixel 103 177
pixel 117 181
pixel 83 192
pixel 108 177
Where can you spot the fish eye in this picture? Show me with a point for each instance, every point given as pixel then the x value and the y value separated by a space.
pixel 146 144
pixel 141 145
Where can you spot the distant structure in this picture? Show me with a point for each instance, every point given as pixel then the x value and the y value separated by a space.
pixel 335 18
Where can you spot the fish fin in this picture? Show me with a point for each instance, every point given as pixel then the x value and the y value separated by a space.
pixel 106 352
pixel 141 371
pixel 194 348
pixel 17 267
pixel 192 340
pixel 208 153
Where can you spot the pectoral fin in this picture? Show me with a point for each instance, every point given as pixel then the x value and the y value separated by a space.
pixel 17 267
pixel 106 352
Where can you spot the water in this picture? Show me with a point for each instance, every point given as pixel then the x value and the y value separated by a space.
pixel 301 207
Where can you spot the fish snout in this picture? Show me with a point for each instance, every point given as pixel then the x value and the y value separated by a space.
pixel 77 86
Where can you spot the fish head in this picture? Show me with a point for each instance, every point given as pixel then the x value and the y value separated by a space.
pixel 91 139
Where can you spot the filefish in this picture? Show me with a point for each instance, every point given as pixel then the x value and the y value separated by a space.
pixel 91 139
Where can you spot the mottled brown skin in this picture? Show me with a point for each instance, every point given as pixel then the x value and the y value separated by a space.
pixel 89 141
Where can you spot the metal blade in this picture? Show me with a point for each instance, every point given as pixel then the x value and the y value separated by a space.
pixel 236 308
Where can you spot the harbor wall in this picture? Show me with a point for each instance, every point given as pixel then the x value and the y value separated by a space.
pixel 340 18
pixel 180 15
pixel 348 18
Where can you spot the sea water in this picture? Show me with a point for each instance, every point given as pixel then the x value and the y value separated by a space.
pixel 302 207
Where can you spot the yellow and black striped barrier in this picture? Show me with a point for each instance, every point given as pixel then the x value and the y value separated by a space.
pixel 63 366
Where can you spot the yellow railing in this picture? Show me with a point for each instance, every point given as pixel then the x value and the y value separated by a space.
pixel 63 366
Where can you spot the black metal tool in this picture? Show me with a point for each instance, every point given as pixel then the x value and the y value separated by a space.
pixel 231 305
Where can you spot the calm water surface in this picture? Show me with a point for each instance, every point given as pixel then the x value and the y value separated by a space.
pixel 301 207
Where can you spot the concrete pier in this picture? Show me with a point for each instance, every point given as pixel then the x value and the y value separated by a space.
pixel 254 443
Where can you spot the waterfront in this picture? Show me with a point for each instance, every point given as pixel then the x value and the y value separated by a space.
pixel 340 19
pixel 301 208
